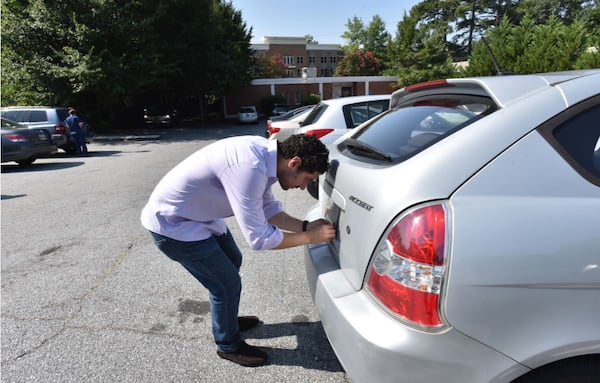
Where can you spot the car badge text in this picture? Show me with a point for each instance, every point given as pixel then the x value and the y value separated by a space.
pixel 360 203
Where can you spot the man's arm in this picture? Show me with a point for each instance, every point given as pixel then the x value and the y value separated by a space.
pixel 318 231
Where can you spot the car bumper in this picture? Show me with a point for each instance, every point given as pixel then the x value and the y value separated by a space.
pixel 21 152
pixel 372 346
pixel 60 139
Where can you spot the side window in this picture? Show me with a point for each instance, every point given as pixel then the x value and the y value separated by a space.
pixel 356 114
pixel 378 107
pixel 38 116
pixel 578 139
pixel 15 115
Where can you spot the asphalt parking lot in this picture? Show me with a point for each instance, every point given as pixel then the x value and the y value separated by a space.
pixel 86 297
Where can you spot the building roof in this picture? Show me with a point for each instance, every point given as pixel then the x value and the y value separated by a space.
pixel 292 40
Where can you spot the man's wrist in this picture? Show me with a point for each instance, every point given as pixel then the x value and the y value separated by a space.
pixel 304 225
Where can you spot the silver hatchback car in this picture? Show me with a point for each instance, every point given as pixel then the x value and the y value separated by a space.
pixel 468 234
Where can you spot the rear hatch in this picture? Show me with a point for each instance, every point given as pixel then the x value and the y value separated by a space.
pixel 415 154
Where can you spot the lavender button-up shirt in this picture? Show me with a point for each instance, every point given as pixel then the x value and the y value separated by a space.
pixel 232 176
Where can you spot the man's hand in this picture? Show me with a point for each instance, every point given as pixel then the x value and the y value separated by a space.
pixel 320 231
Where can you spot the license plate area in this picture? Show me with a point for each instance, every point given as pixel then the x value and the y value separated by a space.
pixel 332 214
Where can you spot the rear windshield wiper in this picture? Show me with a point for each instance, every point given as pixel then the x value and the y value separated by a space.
pixel 366 150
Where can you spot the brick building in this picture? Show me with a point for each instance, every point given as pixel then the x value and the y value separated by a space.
pixel 310 70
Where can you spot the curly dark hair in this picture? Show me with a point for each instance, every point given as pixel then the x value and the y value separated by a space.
pixel 310 149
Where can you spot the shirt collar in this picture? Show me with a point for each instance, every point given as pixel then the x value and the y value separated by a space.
pixel 272 159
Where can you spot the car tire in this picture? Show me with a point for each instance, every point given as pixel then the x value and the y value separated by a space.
pixel 577 369
pixel 69 149
pixel 26 162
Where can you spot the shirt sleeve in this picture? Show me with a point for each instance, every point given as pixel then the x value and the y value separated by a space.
pixel 252 203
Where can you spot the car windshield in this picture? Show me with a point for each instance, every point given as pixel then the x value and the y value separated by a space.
pixel 246 110
pixel 408 129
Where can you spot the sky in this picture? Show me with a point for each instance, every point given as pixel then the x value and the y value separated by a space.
pixel 324 20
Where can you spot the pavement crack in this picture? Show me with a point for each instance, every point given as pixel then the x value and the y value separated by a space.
pixel 67 323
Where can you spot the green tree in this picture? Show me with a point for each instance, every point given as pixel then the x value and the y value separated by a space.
pixel 355 33
pixel 310 39
pixel 540 11
pixel 115 55
pixel 419 53
pixel 373 38
pixel 530 48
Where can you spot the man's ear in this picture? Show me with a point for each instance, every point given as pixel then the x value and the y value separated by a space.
pixel 294 162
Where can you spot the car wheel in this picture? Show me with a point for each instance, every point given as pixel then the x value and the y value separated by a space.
pixel 26 162
pixel 577 369
pixel 70 149
pixel 313 189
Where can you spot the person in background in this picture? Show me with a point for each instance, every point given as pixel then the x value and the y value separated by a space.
pixel 74 123
pixel 186 213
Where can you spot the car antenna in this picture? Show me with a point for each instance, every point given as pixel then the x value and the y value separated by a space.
pixel 499 71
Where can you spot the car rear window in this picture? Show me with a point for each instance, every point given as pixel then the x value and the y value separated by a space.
pixel 62 114
pixel 410 128
pixel 247 110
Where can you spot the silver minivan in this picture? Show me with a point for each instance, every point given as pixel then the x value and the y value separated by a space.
pixel 468 234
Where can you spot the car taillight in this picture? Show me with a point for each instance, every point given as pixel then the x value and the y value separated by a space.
pixel 16 137
pixel 319 132
pixel 427 85
pixel 407 270
pixel 273 129
pixel 60 129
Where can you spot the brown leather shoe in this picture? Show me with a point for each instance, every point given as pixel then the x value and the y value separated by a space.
pixel 245 355
pixel 245 323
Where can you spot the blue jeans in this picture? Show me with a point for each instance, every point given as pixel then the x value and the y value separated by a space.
pixel 215 262
pixel 79 141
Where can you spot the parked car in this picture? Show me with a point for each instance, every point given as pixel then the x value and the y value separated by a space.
pixel 50 118
pixel 24 145
pixel 332 118
pixel 468 246
pixel 291 114
pixel 282 129
pixel 248 114
pixel 279 109
pixel 160 116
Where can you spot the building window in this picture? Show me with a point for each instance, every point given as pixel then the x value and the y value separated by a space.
pixel 312 59
pixel 323 59
pixel 290 73
pixel 300 59
pixel 288 60
pixel 333 59
pixel 323 72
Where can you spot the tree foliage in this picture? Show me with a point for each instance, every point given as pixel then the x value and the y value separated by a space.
pixel 419 53
pixel 116 55
pixel 358 63
pixel 530 48
pixel 370 38
pixel 270 65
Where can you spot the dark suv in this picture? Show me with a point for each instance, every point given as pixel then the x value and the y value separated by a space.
pixel 50 118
